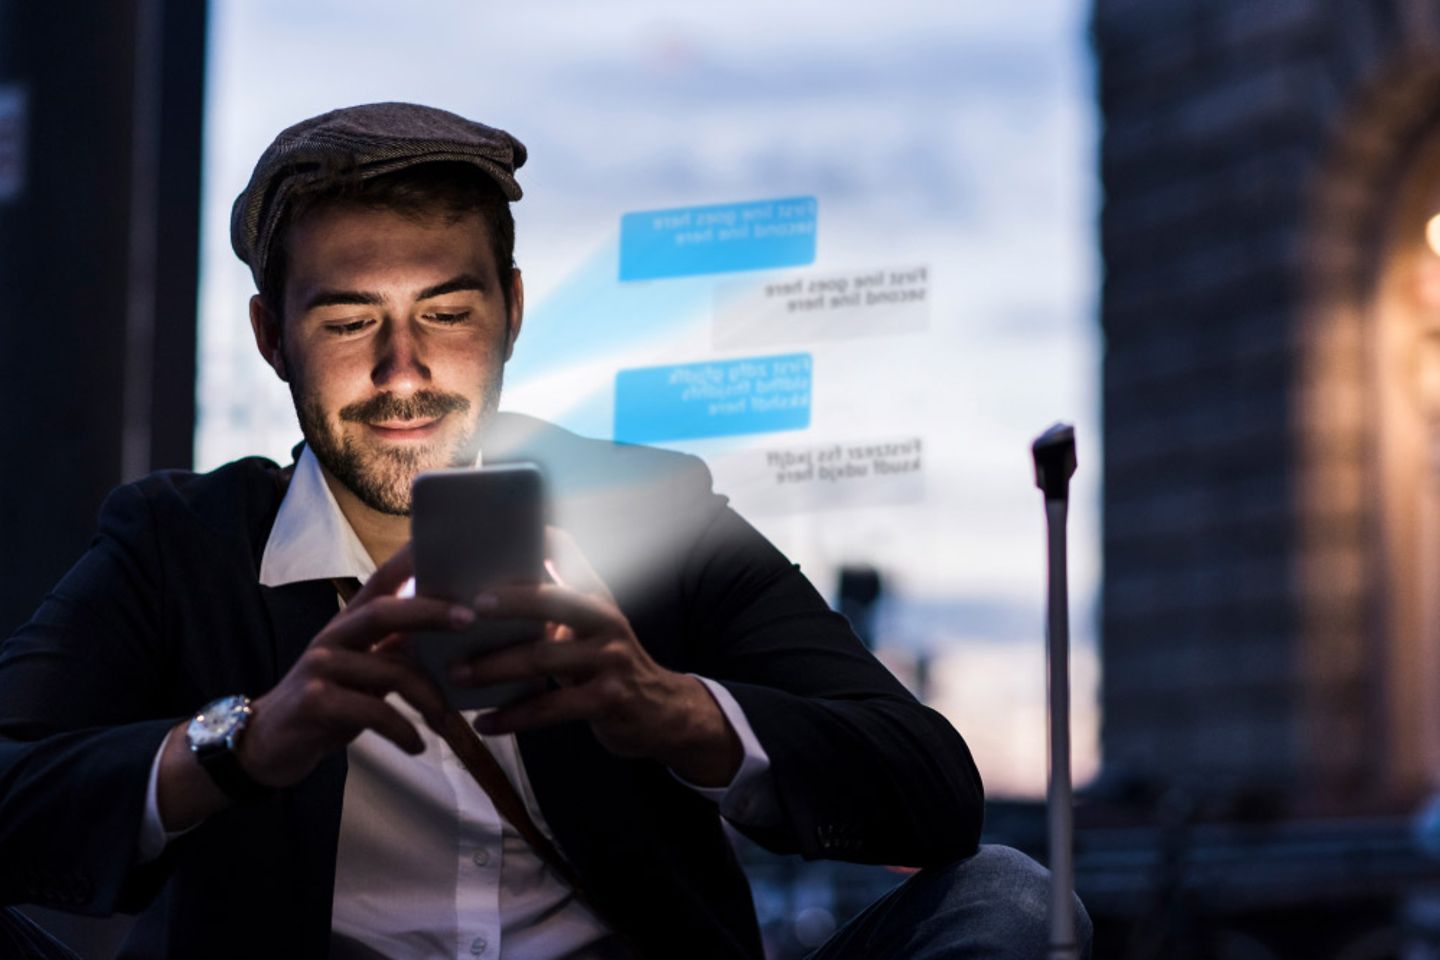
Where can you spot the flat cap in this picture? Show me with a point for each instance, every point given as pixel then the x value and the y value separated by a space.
pixel 357 143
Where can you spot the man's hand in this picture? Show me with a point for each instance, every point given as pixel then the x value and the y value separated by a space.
pixel 337 689
pixel 635 707
pixel 334 691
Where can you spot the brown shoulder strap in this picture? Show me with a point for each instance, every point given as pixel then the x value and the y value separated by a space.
pixel 487 773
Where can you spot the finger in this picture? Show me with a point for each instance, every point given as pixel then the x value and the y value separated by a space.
pixel 380 675
pixel 525 661
pixel 352 712
pixel 395 645
pixel 360 627
pixel 389 578
pixel 545 601
pixel 542 710
pixel 568 565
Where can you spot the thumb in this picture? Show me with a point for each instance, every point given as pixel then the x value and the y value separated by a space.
pixel 385 581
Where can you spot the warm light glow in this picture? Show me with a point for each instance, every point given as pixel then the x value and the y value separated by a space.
pixel 1432 234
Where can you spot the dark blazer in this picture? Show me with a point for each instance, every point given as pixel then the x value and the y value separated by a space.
pixel 164 613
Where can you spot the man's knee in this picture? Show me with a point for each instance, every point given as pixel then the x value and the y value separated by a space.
pixel 1008 894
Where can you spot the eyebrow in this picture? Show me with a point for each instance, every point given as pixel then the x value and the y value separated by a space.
pixel 332 298
pixel 466 281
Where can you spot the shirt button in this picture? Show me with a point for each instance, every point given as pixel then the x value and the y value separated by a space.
pixel 481 857
pixel 478 945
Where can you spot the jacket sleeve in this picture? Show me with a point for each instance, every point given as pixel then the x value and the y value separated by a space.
pixel 80 720
pixel 862 771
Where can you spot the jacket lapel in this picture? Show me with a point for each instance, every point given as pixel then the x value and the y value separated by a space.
pixel 309 828
pixel 297 612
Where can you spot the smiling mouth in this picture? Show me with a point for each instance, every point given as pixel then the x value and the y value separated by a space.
pixel 405 429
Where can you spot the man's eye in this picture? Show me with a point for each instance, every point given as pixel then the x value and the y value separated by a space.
pixel 448 318
pixel 348 327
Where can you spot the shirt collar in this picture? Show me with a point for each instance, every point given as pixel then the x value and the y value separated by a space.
pixel 311 539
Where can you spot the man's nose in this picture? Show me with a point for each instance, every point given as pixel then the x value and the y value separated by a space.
pixel 400 358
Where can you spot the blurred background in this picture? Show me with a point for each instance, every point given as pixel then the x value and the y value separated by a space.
pixel 1200 231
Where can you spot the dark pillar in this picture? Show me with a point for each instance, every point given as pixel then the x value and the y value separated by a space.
pixel 100 103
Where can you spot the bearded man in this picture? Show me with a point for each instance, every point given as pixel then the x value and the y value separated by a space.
pixel 207 724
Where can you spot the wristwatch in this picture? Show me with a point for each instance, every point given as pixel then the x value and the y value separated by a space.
pixel 214 735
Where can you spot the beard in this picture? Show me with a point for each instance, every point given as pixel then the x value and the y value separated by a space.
pixel 381 475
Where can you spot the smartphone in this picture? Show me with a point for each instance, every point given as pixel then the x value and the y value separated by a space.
pixel 471 530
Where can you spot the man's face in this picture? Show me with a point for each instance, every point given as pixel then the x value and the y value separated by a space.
pixel 394 340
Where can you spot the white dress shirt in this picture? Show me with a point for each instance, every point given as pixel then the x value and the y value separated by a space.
pixel 426 867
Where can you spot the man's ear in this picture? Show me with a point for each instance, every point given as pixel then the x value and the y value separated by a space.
pixel 517 312
pixel 268 336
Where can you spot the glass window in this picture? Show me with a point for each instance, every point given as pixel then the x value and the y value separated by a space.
pixel 845 256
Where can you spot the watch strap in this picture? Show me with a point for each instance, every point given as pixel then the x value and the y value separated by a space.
pixel 224 768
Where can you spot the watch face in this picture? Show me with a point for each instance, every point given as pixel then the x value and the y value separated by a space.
pixel 218 721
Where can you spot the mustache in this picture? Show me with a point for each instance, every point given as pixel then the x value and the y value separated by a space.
pixel 422 405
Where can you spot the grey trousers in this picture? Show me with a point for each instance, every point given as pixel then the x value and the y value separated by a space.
pixel 990 906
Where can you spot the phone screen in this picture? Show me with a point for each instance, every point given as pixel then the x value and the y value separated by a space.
pixel 471 530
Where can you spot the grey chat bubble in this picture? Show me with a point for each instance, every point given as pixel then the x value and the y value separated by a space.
pixel 805 307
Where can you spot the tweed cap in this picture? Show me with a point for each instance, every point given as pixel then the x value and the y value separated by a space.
pixel 357 143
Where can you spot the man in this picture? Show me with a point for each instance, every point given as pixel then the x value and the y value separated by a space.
pixel 689 669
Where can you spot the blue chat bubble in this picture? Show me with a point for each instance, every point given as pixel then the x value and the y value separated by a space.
pixel 721 398
pixel 685 241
